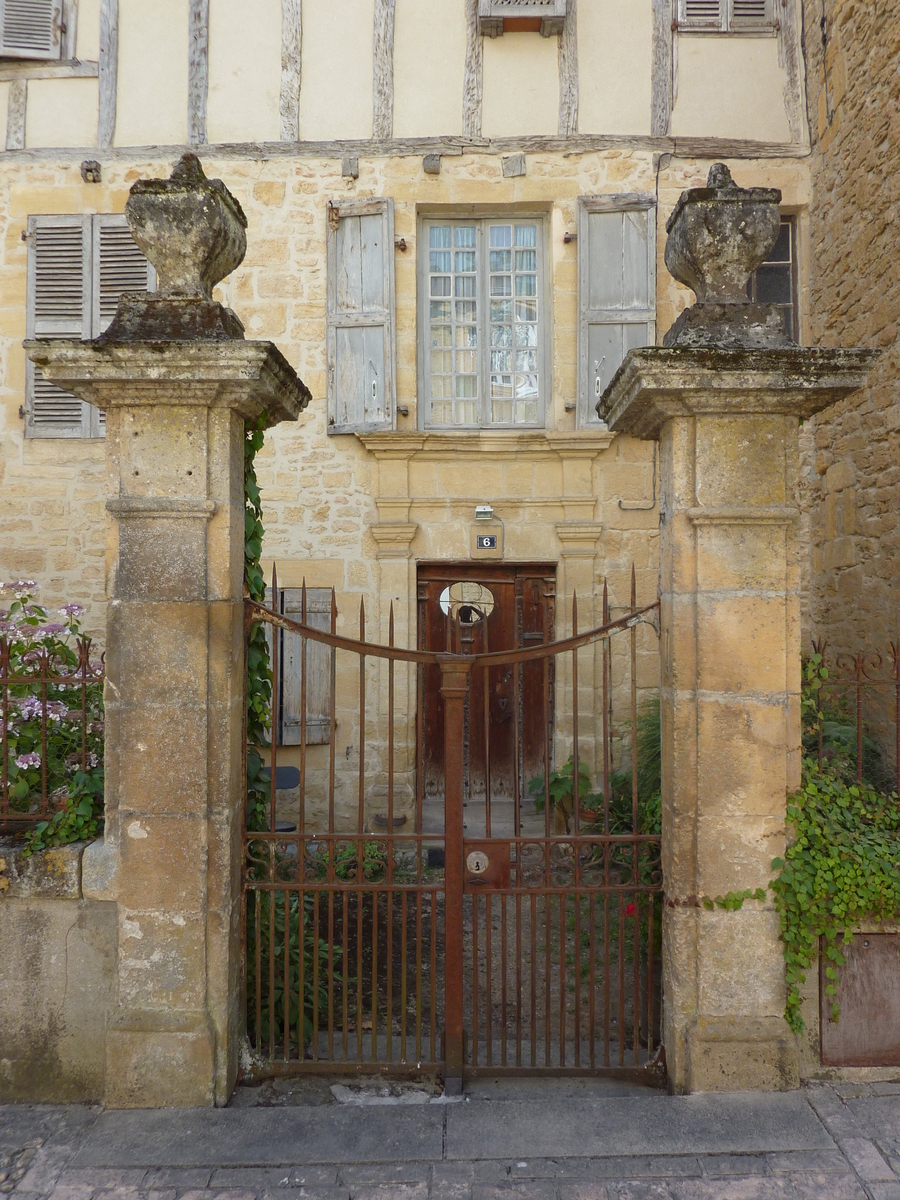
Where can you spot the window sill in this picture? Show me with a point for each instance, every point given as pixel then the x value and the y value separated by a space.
pixel 769 32
pixel 41 68
pixel 501 442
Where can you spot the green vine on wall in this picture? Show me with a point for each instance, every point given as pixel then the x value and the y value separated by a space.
pixel 259 672
pixel 843 864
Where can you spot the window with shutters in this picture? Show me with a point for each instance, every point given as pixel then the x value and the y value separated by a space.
pixel 483 360
pixel 362 393
pixel 726 16
pixel 306 682
pixel 78 267
pixel 616 289
pixel 31 29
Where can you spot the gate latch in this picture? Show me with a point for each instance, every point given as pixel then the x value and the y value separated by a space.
pixel 486 865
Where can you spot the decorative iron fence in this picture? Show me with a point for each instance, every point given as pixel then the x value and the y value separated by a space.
pixel 51 723
pixel 496 923
pixel 858 719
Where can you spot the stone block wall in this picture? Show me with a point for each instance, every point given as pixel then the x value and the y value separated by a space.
pixel 57 984
pixel 855 300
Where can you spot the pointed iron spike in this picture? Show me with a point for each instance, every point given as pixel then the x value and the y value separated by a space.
pixel 303 600
pixel 633 589
pixel 274 607
pixel 574 613
pixel 605 602
pixel 362 619
pixel 391 626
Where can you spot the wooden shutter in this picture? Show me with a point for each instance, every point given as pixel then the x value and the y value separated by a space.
pixel 702 14
pixel 118 266
pixel 319 666
pixel 58 305
pixel 751 14
pixel 616 289
pixel 360 328
pixel 31 28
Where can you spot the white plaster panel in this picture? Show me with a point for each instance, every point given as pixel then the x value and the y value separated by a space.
pixel 61 112
pixel 87 36
pixel 429 66
pixel 151 105
pixel 244 72
pixel 521 85
pixel 730 87
pixel 336 85
pixel 615 40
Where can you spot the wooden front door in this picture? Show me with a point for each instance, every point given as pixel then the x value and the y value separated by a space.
pixel 474 608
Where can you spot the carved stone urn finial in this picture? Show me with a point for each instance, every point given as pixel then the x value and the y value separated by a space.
pixel 191 228
pixel 718 236
pixel 193 232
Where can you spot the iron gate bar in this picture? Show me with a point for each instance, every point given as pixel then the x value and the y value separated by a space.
pixel 319 895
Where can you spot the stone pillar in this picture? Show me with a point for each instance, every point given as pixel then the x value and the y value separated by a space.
pixel 177 383
pixel 727 422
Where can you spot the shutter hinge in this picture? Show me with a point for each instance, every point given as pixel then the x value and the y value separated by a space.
pixel 334 216
pixel 22 411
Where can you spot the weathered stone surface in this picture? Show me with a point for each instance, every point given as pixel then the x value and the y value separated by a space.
pixel 54 874
pixel 190 228
pixel 719 235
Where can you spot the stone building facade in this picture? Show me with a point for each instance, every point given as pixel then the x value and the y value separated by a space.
pixel 410 108
pixel 854 281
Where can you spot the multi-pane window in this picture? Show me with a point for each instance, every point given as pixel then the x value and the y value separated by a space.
pixel 483 354
pixel 78 267
pixel 726 16
pixel 775 282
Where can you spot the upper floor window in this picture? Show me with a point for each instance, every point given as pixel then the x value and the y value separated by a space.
pixel 726 16
pixel 78 267
pixel 31 28
pixel 483 317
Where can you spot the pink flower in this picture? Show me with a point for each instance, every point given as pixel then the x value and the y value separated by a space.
pixel 28 760
pixel 629 910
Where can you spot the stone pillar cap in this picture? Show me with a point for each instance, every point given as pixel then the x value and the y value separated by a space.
pixel 250 377
pixel 657 383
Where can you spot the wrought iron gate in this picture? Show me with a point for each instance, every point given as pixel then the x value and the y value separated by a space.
pixel 379 940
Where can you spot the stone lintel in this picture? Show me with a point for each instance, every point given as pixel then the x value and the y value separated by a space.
pixel 657 383
pixel 442 445
pixel 750 514
pixel 250 377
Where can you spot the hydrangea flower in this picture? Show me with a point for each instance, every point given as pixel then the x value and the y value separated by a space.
pixel 28 760
pixel 72 610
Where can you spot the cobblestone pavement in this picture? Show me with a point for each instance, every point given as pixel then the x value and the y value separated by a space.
pixel 52 1153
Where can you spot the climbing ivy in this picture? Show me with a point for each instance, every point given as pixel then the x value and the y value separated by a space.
pixel 259 672
pixel 841 867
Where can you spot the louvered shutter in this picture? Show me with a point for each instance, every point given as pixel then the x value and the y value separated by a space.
pixel 360 317
pixel 751 14
pixel 57 307
pixel 117 266
pixel 31 28
pixel 318 670
pixel 702 14
pixel 616 289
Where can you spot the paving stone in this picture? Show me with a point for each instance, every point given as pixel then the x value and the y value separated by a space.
pixel 647 1166
pixel 448 1190
pixel 488 1171
pixel 807 1160
pixel 316 1191
pixel 46 1168
pixel 312 1176
pixel 71 1191
pixel 389 1191
pixel 735 1164
pixel 217 1194
pixel 883 1191
pixel 583 1191
pixel 833 1113
pixel 865 1160
pixel 250 1178
pixel 103 1178
pixel 455 1172
pixel 533 1189
pixel 550 1168
pixel 815 1185
pixel 638 1189
pixel 177 1177
pixel 885 1089
pixel 761 1187
pixel 412 1172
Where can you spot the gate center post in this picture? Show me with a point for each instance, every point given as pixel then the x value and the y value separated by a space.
pixel 454 689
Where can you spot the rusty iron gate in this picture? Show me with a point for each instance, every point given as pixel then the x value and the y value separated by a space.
pixel 491 934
